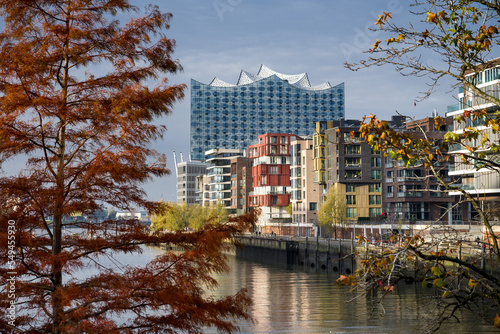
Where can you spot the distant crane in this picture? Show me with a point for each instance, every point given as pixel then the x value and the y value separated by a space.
pixel 175 162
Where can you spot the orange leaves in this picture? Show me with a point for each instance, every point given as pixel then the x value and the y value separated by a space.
pixel 496 321
pixel 436 17
pixel 432 17
pixel 388 288
pixel 344 280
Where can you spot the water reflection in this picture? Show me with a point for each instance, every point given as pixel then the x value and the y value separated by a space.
pixel 291 301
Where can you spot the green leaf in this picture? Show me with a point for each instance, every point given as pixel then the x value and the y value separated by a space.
pixel 438 283
pixel 436 271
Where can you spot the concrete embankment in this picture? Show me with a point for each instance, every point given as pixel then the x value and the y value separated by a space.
pixel 322 255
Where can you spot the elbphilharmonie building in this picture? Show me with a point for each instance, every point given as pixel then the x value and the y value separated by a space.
pixel 231 116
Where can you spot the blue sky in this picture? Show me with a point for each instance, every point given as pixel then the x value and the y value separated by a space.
pixel 221 37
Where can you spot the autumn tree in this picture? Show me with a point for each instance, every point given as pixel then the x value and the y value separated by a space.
pixel 332 212
pixel 175 217
pixel 455 40
pixel 77 104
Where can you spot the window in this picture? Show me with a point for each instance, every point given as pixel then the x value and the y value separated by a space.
pixel 274 200
pixel 350 199
pixel 434 190
pixel 352 149
pixel 273 170
pixel 374 212
pixel 351 212
pixel 376 175
pixel 352 162
pixel 375 199
pixel 375 188
pixel 350 188
pixel 313 206
pixel 353 174
pixel 376 162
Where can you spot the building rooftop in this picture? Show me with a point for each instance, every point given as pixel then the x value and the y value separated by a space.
pixel 297 80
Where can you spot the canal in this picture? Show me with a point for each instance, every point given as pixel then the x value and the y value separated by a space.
pixel 294 301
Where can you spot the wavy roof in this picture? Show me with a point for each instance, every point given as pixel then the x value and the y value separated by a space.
pixel 297 80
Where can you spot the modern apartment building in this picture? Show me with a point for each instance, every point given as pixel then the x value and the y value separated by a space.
pixel 219 174
pixel 412 193
pixel 227 116
pixel 271 181
pixel 305 196
pixel 241 184
pixel 342 158
pixel 202 190
pixel 484 183
pixel 187 171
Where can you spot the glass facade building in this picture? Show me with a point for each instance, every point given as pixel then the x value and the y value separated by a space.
pixel 227 116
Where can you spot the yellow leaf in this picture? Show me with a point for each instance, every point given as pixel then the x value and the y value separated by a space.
pixel 436 272
pixel 438 283
pixel 472 283
pixel 497 321
pixel 446 294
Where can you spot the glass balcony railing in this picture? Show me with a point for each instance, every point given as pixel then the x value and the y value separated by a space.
pixel 410 194
pixel 466 187
pixel 455 147
pixel 453 107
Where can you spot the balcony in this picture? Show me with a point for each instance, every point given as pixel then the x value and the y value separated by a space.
pixel 453 107
pixel 466 187
pixel 389 195
pixel 410 194
pixel 456 147
pixel 409 179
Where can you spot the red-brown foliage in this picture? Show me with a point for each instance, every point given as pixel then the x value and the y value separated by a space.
pixel 74 103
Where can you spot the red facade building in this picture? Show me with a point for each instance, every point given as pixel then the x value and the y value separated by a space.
pixel 271 179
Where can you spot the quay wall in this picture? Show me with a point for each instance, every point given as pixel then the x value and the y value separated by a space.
pixel 321 255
